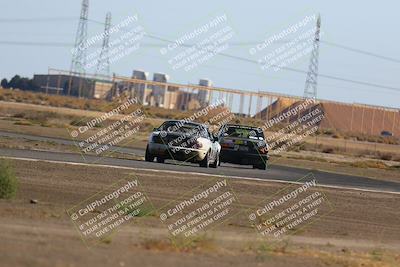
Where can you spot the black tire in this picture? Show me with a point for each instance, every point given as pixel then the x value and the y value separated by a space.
pixel 205 162
pixel 262 166
pixel 216 162
pixel 148 156
pixel 160 160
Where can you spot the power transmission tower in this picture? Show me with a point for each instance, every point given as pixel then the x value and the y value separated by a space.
pixel 310 90
pixel 79 53
pixel 103 62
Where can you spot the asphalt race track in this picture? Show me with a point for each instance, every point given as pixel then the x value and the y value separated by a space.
pixel 275 172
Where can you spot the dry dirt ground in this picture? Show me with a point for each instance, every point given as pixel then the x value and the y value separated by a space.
pixel 361 230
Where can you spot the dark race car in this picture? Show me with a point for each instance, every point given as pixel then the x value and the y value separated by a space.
pixel 243 145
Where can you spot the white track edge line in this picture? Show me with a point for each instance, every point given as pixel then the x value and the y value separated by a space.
pixel 204 174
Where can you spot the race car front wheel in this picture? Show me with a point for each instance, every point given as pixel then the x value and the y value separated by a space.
pixel 205 162
pixel 216 162
pixel 148 156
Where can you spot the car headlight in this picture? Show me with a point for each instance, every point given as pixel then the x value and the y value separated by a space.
pixel 198 144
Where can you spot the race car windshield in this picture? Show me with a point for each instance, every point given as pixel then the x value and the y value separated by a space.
pixel 244 133
pixel 181 128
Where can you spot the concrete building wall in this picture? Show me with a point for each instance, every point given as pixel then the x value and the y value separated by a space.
pixel 139 90
pixel 159 91
pixel 171 98
pixel 350 118
pixel 203 95
pixel 102 90
pixel 65 84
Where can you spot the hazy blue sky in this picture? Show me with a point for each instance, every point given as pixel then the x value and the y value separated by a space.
pixel 367 25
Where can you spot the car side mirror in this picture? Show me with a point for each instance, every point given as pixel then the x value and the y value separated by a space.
pixel 215 138
pixel 155 129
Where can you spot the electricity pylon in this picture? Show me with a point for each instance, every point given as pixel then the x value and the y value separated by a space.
pixel 79 52
pixel 310 90
pixel 103 62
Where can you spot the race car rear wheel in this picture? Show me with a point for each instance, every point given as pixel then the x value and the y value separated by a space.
pixel 148 156
pixel 261 166
pixel 160 160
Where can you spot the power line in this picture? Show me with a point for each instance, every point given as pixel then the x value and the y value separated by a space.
pixel 332 77
pixel 361 51
pixel 294 69
pixel 326 76
pixel 345 47
pixel 53 44
pixel 16 20
pixel 355 50
pixel 60 44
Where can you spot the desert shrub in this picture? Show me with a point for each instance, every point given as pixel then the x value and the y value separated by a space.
pixel 369 164
pixel 42 116
pixel 328 150
pixel 8 181
pixel 84 121
pixel 78 122
pixel 328 131
pixel 19 115
pixel 391 140
pixel 26 123
pixel 236 120
pixel 385 156
pixel 147 126
pixel 303 146
pixel 294 148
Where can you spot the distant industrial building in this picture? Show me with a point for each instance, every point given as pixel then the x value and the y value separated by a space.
pixel 72 85
pixel 140 90
pixel 102 89
pixel 159 91
pixel 165 96
pixel 203 95
pixel 187 101
pixel 171 97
